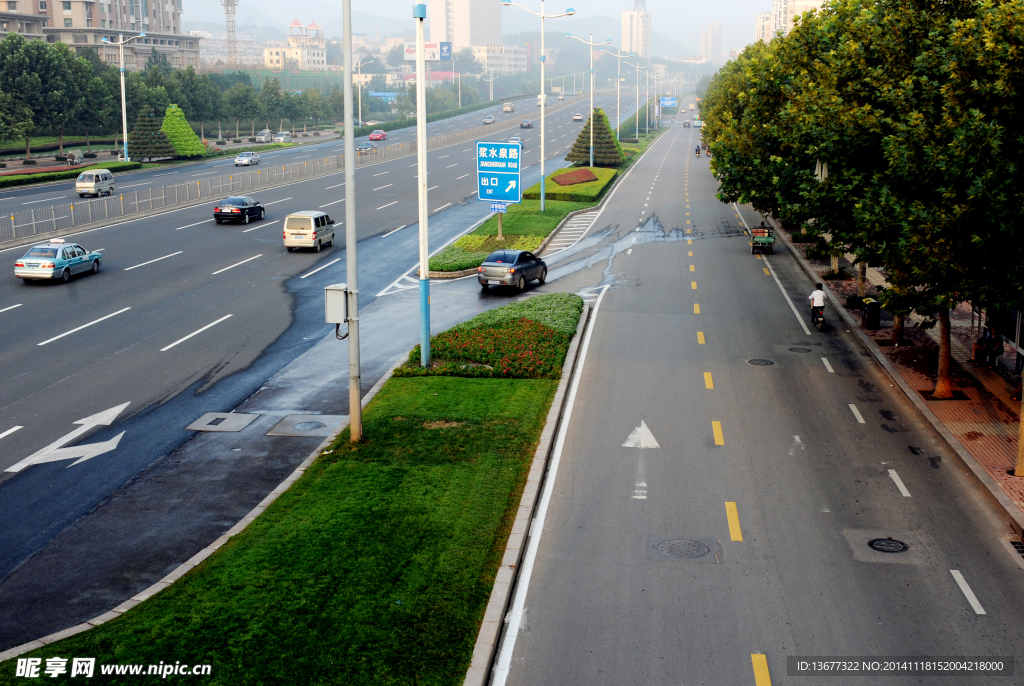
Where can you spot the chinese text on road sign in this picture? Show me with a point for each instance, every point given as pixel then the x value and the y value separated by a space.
pixel 497 167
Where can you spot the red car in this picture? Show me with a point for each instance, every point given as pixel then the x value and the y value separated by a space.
pixel 378 135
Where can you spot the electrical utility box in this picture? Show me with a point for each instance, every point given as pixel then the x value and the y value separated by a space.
pixel 336 303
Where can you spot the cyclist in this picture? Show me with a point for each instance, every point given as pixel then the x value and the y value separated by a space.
pixel 817 299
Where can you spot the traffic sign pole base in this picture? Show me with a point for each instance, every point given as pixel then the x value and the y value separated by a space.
pixel 425 322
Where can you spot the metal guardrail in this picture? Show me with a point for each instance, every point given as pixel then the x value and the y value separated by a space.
pixel 24 226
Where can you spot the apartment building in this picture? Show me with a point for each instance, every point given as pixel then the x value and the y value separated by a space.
pixel 763 27
pixel 306 50
pixel 784 12
pixel 636 31
pixel 711 42
pixel 465 23
pixel 84 23
pixel 502 59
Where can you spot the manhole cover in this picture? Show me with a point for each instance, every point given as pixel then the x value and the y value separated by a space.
pixel 888 545
pixel 683 549
pixel 761 363
pixel 309 426
pixel 799 350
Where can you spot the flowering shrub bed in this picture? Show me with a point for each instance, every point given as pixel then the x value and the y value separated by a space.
pixel 522 340
pixel 579 176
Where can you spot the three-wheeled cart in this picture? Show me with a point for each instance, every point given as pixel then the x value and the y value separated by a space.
pixel 762 239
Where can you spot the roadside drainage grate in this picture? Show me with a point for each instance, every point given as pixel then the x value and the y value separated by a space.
pixel 888 545
pixel 760 363
pixel 799 350
pixel 309 426
pixel 1018 546
pixel 683 549
pixel 216 422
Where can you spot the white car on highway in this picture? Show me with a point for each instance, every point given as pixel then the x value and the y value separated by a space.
pixel 247 159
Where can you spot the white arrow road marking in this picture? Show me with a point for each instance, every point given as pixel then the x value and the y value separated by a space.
pixel 55 451
pixel 641 437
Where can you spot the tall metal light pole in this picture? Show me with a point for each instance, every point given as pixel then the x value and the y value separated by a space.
pixel 419 13
pixel 543 96
pixel 591 43
pixel 637 69
pixel 355 407
pixel 124 109
pixel 359 67
pixel 618 84
pixel 491 80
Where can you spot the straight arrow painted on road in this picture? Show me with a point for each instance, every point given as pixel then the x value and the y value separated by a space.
pixel 641 437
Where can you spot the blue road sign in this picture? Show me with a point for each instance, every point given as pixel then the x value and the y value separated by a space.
pixel 446 51
pixel 499 207
pixel 497 171
pixel 668 102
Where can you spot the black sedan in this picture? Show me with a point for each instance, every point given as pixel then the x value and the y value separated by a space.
pixel 511 268
pixel 238 208
pixel 526 124
pixel 366 148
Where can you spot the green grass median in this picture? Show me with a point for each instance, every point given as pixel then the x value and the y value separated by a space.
pixel 376 566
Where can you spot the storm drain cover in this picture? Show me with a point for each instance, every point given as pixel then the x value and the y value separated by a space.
pixel 800 350
pixel 888 545
pixel 309 426
pixel 222 421
pixel 760 363
pixel 683 549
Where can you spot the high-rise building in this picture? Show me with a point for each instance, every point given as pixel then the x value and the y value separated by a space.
pixel 465 23
pixel 306 50
pixel 785 11
pixel 636 29
pixel 502 59
pixel 763 27
pixel 711 42
pixel 84 24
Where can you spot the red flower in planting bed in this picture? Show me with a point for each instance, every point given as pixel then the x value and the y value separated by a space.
pixel 522 349
pixel 574 177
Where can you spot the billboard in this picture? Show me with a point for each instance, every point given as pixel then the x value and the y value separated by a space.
pixel 668 102
pixel 431 52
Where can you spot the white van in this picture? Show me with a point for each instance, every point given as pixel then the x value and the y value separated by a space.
pixel 283 137
pixel 94 182
pixel 264 136
pixel 309 229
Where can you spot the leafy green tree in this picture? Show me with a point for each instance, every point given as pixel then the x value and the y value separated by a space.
pixel 316 105
pixel 181 135
pixel 336 104
pixel 273 101
pixel 465 62
pixel 242 103
pixel 22 86
pixel 395 57
pixel 158 61
pixel 147 140
pixel 607 151
pixel 99 111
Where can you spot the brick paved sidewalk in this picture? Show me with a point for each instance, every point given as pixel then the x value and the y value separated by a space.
pixel 983 417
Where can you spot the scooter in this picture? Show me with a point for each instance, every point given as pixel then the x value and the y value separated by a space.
pixel 818 317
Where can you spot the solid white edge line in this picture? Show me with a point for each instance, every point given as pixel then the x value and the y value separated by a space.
pixel 236 264
pixel 384 236
pixel 899 483
pixel 319 268
pixel 261 225
pixel 442 207
pixel 275 201
pixel 971 598
pixel 83 326
pixel 191 225
pixel 11 307
pixel 828 366
pixel 128 269
pixel 504 661
pixel 194 333
pixel 857 414
pixel 784 293
pixel 10 431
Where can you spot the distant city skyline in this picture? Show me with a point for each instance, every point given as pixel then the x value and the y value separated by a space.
pixel 681 21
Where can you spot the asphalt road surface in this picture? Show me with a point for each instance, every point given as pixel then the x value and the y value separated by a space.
pixel 724 471
pixel 188 317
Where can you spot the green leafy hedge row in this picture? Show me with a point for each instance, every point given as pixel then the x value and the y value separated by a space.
pixel 522 340
pixel 24 179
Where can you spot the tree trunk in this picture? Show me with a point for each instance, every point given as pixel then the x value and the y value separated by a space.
pixel 253 128
pixel 88 145
pixel 280 126
pixel 943 380
pixel 835 264
pixel 60 138
pixel 28 147
pixel 220 133
pixel 862 269
pixel 897 329
pixel 236 129
pixel 303 127
pixel 202 135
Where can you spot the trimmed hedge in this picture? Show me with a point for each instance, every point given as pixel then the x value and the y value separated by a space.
pixel 47 147
pixel 581 192
pixel 25 179
pixel 471 251
pixel 185 141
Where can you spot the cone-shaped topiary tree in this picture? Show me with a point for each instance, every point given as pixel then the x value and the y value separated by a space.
pixel 185 141
pixel 147 140
pixel 607 151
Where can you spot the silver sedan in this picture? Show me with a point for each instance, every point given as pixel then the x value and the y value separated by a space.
pixel 511 268
pixel 247 159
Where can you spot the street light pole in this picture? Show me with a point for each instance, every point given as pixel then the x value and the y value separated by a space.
pixel 360 68
pixel 637 68
pixel 419 13
pixel 591 43
pixel 124 108
pixel 355 407
pixel 543 99
pixel 618 89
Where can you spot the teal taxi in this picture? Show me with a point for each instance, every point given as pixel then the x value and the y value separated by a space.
pixel 56 259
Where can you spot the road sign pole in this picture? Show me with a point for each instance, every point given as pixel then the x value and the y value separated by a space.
pixel 419 13
pixel 543 102
pixel 355 407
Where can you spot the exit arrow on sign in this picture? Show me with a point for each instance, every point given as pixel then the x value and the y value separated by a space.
pixel 80 453
pixel 511 185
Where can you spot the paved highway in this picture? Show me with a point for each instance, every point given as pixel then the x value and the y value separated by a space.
pixel 707 415
pixel 187 317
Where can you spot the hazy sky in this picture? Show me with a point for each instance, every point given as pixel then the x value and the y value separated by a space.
pixel 678 19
